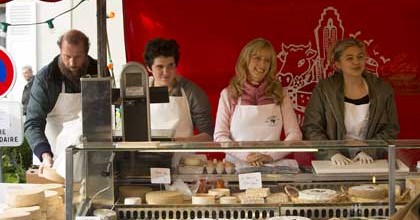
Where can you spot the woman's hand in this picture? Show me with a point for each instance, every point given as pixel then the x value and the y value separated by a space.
pixel 257 159
pixel 339 159
pixel 363 158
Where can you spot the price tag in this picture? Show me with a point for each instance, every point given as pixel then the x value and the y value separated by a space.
pixel 87 218
pixel 250 180
pixel 160 175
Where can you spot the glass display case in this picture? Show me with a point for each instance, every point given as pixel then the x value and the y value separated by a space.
pixel 103 175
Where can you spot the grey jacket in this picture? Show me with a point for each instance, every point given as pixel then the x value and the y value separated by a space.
pixel 324 114
pixel 198 102
pixel 45 90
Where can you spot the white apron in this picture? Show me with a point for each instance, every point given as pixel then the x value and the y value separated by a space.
pixel 356 119
pixel 70 135
pixel 66 108
pixel 254 123
pixel 173 115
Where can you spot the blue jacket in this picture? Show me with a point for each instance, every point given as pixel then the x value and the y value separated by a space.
pixel 45 90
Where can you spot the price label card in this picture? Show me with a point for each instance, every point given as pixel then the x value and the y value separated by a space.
pixel 160 175
pixel 250 180
pixel 87 218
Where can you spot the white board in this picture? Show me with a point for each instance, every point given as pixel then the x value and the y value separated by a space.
pixel 378 166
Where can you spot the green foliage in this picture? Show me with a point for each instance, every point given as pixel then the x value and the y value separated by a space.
pixel 15 162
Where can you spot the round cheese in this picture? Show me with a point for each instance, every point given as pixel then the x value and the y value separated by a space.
pixel 105 214
pixel 59 188
pixel 368 191
pixel 17 215
pixel 203 199
pixel 164 197
pixel 35 211
pixel 317 195
pixel 24 197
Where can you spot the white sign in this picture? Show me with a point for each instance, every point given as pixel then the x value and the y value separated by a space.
pixel 160 175
pixel 11 124
pixel 250 180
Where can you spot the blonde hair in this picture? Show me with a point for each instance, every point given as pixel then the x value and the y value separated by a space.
pixel 274 88
pixel 340 46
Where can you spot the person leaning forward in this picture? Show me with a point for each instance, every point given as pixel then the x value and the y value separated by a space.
pixel 55 95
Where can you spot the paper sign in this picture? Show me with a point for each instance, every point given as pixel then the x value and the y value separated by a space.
pixel 250 180
pixel 4 117
pixel 11 124
pixel 160 175
pixel 87 218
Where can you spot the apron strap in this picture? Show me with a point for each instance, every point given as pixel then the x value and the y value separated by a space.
pixel 63 87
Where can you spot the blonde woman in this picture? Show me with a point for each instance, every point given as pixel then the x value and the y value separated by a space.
pixel 254 107
pixel 352 104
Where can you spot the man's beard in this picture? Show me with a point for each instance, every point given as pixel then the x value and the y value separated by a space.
pixel 73 75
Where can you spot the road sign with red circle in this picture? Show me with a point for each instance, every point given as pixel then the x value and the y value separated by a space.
pixel 7 72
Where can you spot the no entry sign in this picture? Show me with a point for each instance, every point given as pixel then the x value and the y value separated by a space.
pixel 7 72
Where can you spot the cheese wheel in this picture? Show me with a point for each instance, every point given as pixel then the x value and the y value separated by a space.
pixel 105 214
pixel 317 195
pixel 203 199
pixel 24 197
pixel 35 211
pixel 59 188
pixel 17 215
pixel 368 191
pixel 51 197
pixel 164 197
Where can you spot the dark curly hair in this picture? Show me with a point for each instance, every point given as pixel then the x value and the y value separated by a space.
pixel 160 47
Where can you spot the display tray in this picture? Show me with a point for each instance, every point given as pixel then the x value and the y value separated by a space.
pixel 378 166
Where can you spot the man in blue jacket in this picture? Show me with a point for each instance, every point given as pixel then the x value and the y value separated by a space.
pixel 55 95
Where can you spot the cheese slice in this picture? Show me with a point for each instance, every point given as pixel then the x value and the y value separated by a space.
pixel 203 199
pixel 164 197
pixel 24 197
pixel 51 174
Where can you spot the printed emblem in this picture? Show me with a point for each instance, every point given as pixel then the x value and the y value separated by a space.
pixel 272 121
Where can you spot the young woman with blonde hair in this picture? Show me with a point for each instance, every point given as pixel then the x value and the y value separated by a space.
pixel 254 107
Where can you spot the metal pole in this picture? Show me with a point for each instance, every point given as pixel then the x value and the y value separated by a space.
pixel 102 36
pixel 391 178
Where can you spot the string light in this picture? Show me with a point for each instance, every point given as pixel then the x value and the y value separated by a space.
pixel 49 22
pixel 111 15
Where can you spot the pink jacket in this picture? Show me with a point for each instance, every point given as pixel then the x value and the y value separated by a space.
pixel 227 106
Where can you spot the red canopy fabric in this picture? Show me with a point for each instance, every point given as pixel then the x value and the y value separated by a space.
pixel 211 34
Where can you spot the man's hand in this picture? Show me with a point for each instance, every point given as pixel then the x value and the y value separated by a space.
pixel 47 161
